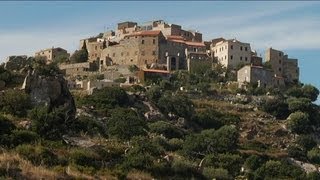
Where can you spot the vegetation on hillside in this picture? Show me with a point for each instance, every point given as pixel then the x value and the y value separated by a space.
pixel 197 134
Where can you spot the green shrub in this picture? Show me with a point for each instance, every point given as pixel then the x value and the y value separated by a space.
pixel 277 107
pixel 175 144
pixel 38 154
pixel 314 155
pixel 298 122
pixel 15 102
pixel 125 123
pixel 299 104
pixel 306 141
pixel 166 128
pixel 230 162
pixel 216 173
pixel 85 157
pixel 23 137
pixel 253 162
pixel 50 125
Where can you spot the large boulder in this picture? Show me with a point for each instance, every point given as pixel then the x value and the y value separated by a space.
pixel 51 91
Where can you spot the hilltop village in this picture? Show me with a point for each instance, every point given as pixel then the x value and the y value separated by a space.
pixel 156 101
pixel 133 52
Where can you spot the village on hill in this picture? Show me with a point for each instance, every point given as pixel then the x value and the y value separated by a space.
pixel 133 53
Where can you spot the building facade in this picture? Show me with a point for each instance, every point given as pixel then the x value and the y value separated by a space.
pixel 52 54
pixel 284 67
pixel 255 74
pixel 231 53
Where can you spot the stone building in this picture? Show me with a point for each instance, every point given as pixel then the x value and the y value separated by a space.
pixel 140 49
pixel 52 54
pixel 231 53
pixel 282 65
pixel 77 68
pixel 255 74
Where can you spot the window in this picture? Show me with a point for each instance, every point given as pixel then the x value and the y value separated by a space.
pixel 222 48
pixel 231 57
pixel 121 53
pixel 195 49
pixel 246 59
pixel 142 53
pixel 240 58
pixel 96 47
pixel 136 52
pixel 279 61
pixel 153 52
pixel 131 60
pixel 246 48
pixel 231 46
pixel 142 42
pixel 280 69
pixel 280 54
pixel 241 48
pixel 127 53
pixel 154 41
pixel 101 62
pixel 114 55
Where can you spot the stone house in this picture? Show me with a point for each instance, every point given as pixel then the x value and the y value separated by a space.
pixel 231 53
pixel 52 54
pixel 140 49
pixel 282 65
pixel 255 74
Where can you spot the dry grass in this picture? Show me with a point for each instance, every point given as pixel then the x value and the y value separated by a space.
pixel 19 168
pixel 139 175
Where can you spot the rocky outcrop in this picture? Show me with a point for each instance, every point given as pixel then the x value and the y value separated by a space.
pixel 51 91
pixel 16 63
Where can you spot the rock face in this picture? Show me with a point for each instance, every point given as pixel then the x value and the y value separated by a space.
pixel 50 91
pixel 16 63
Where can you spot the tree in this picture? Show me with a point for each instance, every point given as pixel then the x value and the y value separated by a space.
pixel 298 122
pixel 125 123
pixel 79 56
pixel 310 92
pixel 166 128
pixel 299 104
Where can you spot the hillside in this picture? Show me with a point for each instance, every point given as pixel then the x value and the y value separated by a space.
pixel 208 129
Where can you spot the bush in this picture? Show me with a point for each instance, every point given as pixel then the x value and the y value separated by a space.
pixel 212 119
pixel 15 102
pixel 175 144
pixel 310 92
pixel 278 170
pixel 230 162
pixel 84 157
pixel 216 173
pixel 166 128
pixel 277 107
pixel 306 142
pixel 38 155
pixel 253 162
pixel 314 155
pixel 298 122
pixel 23 137
pixel 125 123
pixel 89 125
pixel 299 104
pixel 178 105
pixel 142 155
pixel 50 125
pixel 106 98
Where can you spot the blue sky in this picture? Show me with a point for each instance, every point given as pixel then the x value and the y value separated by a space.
pixel 293 27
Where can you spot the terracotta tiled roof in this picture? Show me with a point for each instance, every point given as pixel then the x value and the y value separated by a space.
pixel 190 43
pixel 145 33
pixel 175 37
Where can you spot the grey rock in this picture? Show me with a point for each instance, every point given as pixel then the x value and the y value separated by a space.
pixel 49 91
